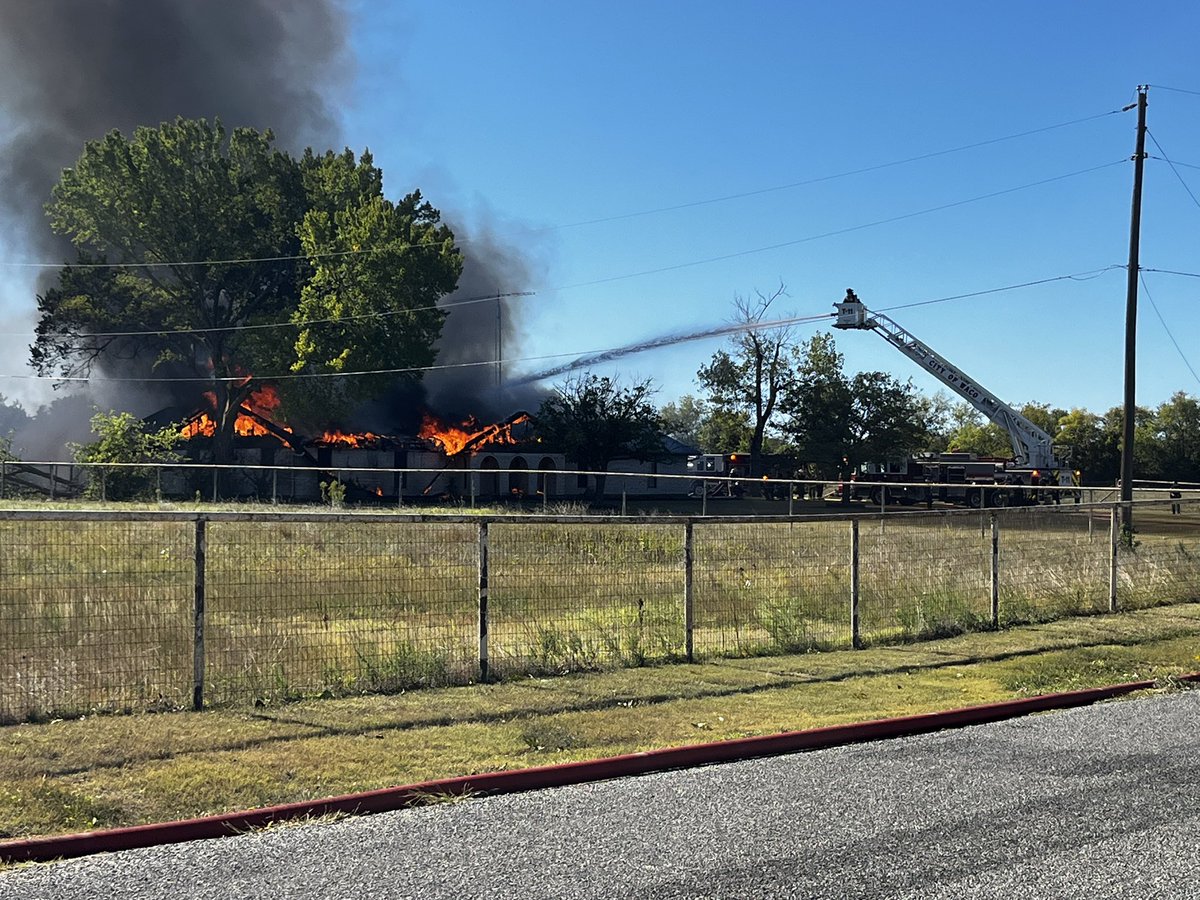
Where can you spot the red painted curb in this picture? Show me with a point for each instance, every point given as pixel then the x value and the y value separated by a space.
pixel 71 845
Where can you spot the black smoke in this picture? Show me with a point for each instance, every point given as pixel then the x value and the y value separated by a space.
pixel 72 71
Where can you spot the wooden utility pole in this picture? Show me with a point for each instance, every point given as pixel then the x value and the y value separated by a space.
pixel 1131 294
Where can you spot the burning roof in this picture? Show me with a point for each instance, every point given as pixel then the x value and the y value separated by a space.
pixel 258 417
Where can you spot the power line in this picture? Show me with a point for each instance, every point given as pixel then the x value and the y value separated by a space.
pixel 1163 322
pixel 1080 276
pixel 1162 87
pixel 622 277
pixel 1174 272
pixel 163 332
pixel 824 178
pixel 841 231
pixel 655 343
pixel 1177 162
pixel 596 221
pixel 1173 169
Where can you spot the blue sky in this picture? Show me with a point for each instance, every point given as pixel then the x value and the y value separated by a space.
pixel 527 119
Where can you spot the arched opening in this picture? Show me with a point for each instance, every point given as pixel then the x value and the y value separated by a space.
pixel 489 477
pixel 518 482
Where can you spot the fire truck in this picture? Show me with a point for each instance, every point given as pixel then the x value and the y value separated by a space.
pixel 718 474
pixel 962 477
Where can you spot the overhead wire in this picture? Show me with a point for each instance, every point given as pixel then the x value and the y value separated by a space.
pixel 628 275
pixel 595 221
pixel 1162 321
pixel 1173 169
pixel 666 340
pixel 841 231
pixel 824 178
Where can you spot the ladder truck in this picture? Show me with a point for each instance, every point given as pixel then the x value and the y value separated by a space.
pixel 961 477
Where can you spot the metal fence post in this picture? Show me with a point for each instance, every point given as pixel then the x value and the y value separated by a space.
pixel 103 483
pixel 158 483
pixel 855 637
pixel 689 607
pixel 216 473
pixel 201 549
pixel 1114 538
pixel 483 601
pixel 995 572
pixel 274 487
pixel 3 476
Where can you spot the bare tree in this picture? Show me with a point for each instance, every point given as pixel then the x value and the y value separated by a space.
pixel 750 376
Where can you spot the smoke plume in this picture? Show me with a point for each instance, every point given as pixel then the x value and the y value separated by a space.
pixel 72 71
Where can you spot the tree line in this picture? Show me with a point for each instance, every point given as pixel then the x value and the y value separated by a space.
pixel 767 393
pixel 210 258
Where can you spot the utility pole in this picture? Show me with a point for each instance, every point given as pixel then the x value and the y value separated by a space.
pixel 1131 295
pixel 499 341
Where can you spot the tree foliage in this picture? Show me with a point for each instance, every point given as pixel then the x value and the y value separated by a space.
pixel 838 421
pixel 595 420
pixel 123 438
pixel 210 239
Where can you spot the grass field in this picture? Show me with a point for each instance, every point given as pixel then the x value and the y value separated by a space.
pixel 106 771
pixel 99 615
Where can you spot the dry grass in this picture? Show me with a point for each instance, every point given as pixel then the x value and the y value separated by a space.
pixel 98 616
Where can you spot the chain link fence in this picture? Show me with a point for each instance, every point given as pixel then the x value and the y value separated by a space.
pixel 116 611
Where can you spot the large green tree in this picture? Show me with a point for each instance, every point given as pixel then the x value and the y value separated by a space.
pixel 838 421
pixel 594 420
pixel 195 244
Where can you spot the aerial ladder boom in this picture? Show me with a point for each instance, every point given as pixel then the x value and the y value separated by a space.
pixel 1031 445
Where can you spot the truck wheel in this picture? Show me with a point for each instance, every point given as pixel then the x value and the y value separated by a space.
pixel 999 499
pixel 875 496
pixel 974 499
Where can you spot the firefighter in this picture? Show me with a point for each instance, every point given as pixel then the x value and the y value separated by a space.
pixel 1176 495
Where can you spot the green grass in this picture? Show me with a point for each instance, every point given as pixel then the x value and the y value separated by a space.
pixel 106 771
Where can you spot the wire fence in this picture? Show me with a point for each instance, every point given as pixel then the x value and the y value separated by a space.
pixel 123 611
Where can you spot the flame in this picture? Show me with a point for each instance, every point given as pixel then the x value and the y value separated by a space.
pixel 349 440
pixel 454 439
pixel 261 403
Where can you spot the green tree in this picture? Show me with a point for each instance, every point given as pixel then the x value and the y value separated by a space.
pixel 684 418
pixel 750 377
pixel 838 422
pixel 726 431
pixel 595 420
pixel 212 238
pixel 819 406
pixel 123 438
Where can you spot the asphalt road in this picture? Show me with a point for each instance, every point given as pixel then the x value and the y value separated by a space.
pixel 1096 802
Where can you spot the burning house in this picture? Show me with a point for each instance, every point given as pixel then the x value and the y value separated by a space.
pixel 501 460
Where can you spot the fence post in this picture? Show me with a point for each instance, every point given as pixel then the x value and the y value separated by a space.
pixel 3 476
pixel 103 483
pixel 201 550
pixel 483 601
pixel 1114 538
pixel 274 487
pixel 689 606
pixel 995 572
pixel 216 472
pixel 158 483
pixel 855 637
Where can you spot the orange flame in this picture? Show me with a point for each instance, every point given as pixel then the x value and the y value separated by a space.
pixel 261 402
pixel 455 439
pixel 349 440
